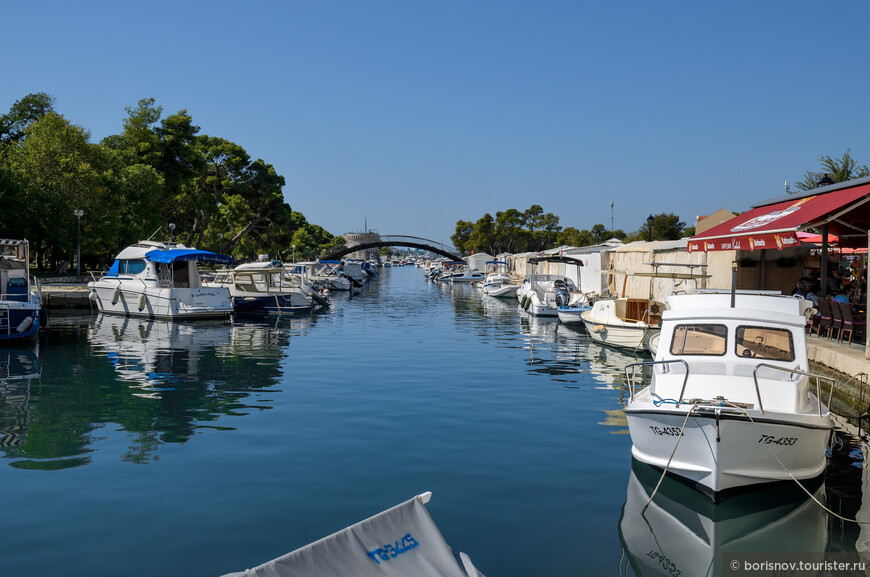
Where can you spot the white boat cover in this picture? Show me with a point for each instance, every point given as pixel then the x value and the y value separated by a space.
pixel 400 542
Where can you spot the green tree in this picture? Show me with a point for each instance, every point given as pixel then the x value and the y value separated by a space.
pixel 482 237
pixel 550 225
pixel 509 233
pixel 663 226
pixel 461 236
pixel 22 114
pixel 533 218
pixel 60 171
pixel 833 171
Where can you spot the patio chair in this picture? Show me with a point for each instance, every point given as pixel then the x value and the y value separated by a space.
pixel 400 542
pixel 836 320
pixel 825 318
pixel 850 323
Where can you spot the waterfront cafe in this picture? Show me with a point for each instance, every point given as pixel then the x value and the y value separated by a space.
pixel 820 236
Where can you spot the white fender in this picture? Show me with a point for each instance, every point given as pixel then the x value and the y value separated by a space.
pixel 24 325
pixel 143 300
pixel 116 295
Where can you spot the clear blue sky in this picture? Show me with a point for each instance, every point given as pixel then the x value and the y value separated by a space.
pixel 417 114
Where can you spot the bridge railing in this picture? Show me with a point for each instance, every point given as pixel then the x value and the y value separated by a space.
pixel 399 238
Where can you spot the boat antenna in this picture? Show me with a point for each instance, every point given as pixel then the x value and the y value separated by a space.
pixel 733 282
pixel 155 232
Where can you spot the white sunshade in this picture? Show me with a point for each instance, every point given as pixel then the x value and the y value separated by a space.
pixel 400 542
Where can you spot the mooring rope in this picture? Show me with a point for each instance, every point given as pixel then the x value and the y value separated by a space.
pixel 769 448
pixel 804 489
pixel 665 472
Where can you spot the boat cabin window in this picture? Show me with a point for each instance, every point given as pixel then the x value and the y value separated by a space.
pixel 765 343
pixel 700 339
pixel 131 266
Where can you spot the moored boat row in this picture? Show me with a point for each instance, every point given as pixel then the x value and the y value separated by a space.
pixel 157 279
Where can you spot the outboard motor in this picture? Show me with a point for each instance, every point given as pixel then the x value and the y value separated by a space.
pixel 562 295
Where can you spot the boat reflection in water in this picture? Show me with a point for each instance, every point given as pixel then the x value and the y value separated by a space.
pixel 155 381
pixel 684 533
pixel 18 368
pixel 155 355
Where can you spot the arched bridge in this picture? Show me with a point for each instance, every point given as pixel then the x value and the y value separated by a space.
pixel 397 240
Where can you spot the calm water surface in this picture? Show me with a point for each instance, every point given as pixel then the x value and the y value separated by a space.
pixel 150 448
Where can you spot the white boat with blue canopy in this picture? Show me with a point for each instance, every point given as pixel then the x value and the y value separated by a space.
pixel 20 293
pixel 160 280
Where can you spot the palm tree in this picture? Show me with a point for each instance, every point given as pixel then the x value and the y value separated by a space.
pixel 833 170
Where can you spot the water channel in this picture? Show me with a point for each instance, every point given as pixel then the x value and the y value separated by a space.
pixel 136 447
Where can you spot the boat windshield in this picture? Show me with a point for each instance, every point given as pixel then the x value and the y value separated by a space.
pixel 708 339
pixel 700 339
pixel 765 343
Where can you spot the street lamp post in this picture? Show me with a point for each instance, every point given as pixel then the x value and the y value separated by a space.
pixel 611 218
pixel 79 214
pixel 649 223
pixel 221 243
pixel 294 253
pixel 171 232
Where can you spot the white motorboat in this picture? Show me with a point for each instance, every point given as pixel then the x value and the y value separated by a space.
pixel 20 293
pixel 630 323
pixel 264 286
pixel 469 275
pixel 328 272
pixel 498 282
pixel 623 322
pixel 544 294
pixel 730 403
pixel 161 280
pixel 572 314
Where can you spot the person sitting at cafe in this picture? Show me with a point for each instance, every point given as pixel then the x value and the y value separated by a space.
pixel 841 297
pixel 801 289
pixel 812 296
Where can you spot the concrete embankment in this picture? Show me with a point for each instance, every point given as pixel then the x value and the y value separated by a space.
pixel 65 294
pixel 846 364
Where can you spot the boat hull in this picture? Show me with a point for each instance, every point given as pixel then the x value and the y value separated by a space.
pixel 273 304
pixel 164 303
pixel 19 321
pixel 507 291
pixel 571 315
pixel 727 455
pixel 629 337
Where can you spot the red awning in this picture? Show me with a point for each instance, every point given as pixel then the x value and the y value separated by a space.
pixel 810 238
pixel 776 225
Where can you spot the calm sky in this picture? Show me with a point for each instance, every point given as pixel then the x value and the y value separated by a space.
pixel 414 115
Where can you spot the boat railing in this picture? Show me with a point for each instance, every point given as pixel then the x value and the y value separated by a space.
pixel 631 374
pixel 34 282
pixel 793 372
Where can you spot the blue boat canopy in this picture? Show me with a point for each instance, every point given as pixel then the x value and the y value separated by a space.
pixel 184 254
